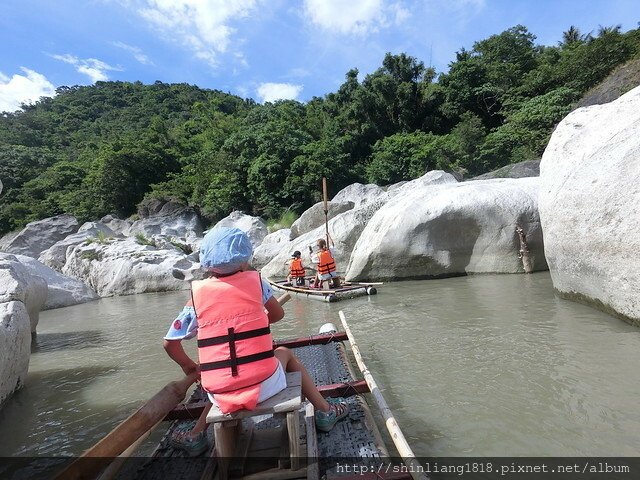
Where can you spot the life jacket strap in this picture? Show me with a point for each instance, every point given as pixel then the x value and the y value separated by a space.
pixel 208 342
pixel 237 361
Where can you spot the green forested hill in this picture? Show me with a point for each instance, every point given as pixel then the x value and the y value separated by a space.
pixel 101 149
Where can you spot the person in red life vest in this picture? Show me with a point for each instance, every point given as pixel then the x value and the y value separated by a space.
pixel 230 312
pixel 325 265
pixel 296 269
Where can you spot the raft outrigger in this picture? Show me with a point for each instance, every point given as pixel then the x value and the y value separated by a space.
pixel 346 290
pixel 261 451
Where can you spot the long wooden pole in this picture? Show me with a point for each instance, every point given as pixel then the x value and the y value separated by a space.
pixel 326 208
pixel 392 425
pixel 121 437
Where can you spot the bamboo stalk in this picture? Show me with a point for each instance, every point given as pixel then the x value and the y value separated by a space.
pixel 114 467
pixel 392 425
pixel 284 298
pixel 326 208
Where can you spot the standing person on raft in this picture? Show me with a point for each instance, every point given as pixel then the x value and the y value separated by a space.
pixel 326 265
pixel 230 312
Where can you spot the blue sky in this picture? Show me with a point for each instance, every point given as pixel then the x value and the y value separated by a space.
pixel 263 49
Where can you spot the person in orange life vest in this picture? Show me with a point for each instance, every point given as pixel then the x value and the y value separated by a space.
pixel 326 265
pixel 230 313
pixel 296 269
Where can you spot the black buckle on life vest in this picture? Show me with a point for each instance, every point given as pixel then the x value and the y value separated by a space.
pixel 238 361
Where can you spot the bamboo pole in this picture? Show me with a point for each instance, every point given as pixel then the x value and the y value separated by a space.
pixel 132 428
pixel 114 468
pixel 392 425
pixel 326 208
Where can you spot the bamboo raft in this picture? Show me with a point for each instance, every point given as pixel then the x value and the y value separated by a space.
pixel 261 453
pixel 346 290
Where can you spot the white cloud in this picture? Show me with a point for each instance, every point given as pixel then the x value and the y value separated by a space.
pixel 270 92
pixel 200 25
pixel 95 69
pixel 23 89
pixel 358 17
pixel 135 51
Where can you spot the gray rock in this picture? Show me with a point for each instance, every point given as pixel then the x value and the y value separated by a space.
pixel 166 218
pixel 17 283
pixel 449 228
pixel 271 246
pixel 314 217
pixel 118 226
pixel 359 194
pixel 590 206
pixel 63 291
pixel 7 239
pixel 15 347
pixel 528 168
pixel 123 267
pixel 254 227
pixel 38 236
pixel 56 255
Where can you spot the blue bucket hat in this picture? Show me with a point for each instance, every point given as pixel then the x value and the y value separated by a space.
pixel 225 250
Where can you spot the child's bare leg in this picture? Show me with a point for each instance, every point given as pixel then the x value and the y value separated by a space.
pixel 201 425
pixel 291 364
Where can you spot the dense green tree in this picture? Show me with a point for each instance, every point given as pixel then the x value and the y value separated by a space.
pixel 99 149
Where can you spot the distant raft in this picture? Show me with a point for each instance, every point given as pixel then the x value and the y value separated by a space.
pixel 345 291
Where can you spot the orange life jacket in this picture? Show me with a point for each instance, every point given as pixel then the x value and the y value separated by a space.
pixel 235 346
pixel 296 269
pixel 326 264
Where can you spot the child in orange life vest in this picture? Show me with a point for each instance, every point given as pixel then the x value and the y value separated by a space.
pixel 296 269
pixel 326 265
pixel 231 312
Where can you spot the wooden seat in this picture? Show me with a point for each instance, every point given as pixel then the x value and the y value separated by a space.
pixel 227 425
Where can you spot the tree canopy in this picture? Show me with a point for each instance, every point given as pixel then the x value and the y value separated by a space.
pixel 102 149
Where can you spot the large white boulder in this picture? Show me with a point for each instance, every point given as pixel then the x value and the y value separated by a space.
pixel 17 283
pixel 314 216
pixel 38 236
pixel 254 227
pixel 15 347
pixel 345 229
pixel 271 246
pixel 124 266
pixel 447 228
pixel 359 194
pixel 56 255
pixel 166 218
pixel 590 205
pixel 63 291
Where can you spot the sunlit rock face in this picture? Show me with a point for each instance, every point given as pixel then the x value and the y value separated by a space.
pixel 39 236
pixel 590 205
pixel 124 266
pixel 449 228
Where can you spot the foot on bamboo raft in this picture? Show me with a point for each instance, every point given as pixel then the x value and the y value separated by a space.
pixel 338 409
pixel 193 445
